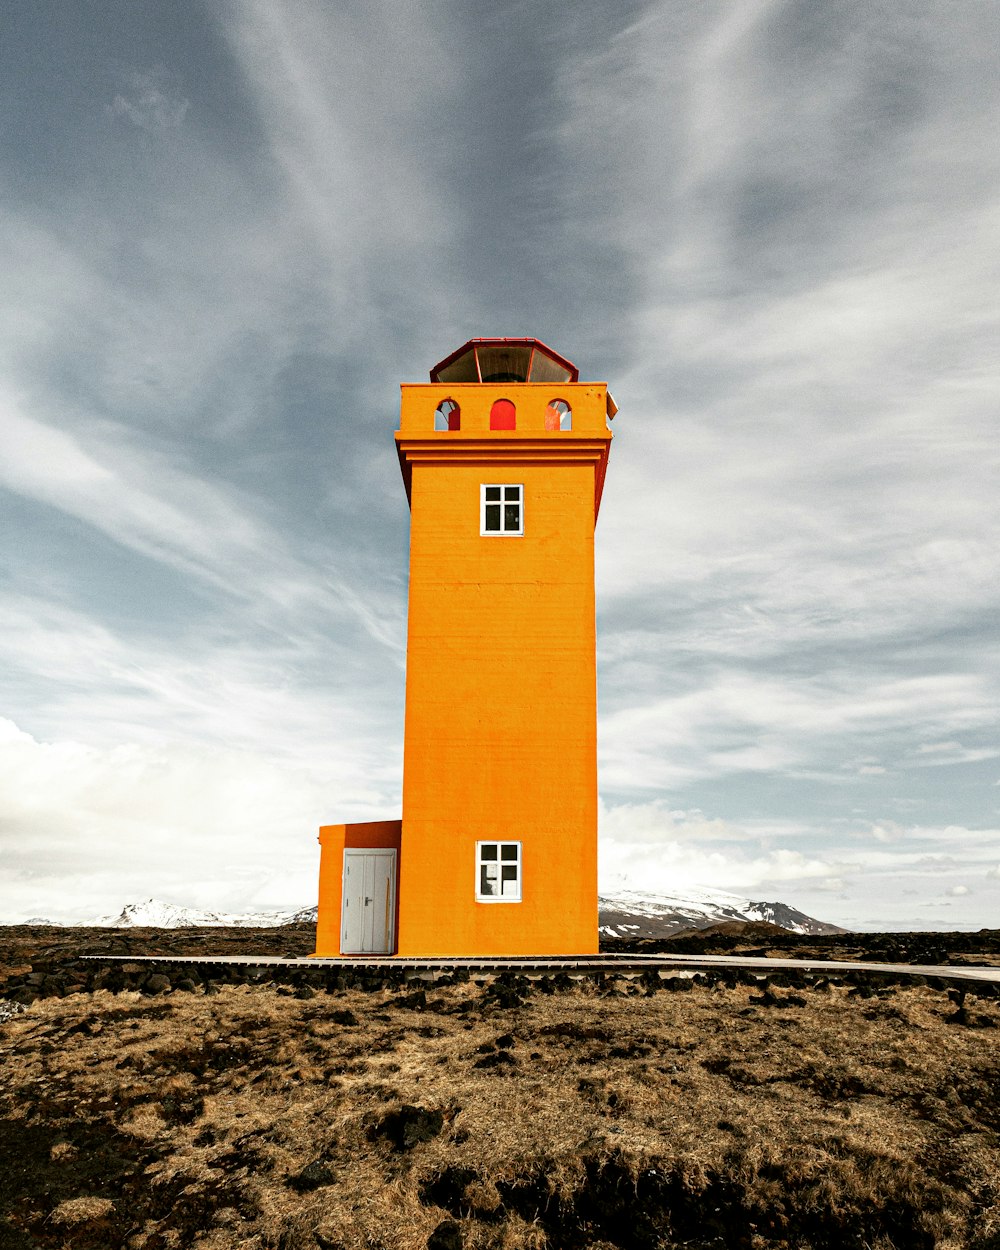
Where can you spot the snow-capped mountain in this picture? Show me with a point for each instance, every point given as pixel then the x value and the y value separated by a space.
pixel 153 914
pixel 631 914
pixel 625 914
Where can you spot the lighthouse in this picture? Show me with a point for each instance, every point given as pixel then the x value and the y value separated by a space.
pixel 503 457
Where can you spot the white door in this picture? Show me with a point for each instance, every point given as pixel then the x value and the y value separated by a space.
pixel 369 902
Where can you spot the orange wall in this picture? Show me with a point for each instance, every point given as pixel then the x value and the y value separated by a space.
pixel 501 705
pixel 333 839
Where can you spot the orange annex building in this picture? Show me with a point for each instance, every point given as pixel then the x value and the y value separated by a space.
pixel 503 456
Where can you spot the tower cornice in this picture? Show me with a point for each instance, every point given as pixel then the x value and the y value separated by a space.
pixel 509 447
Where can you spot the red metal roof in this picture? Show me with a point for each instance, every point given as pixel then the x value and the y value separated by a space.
pixel 535 348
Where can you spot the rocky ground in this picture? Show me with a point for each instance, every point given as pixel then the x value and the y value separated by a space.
pixel 182 1106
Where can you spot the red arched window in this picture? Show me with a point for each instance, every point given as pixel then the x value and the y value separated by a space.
pixel 503 415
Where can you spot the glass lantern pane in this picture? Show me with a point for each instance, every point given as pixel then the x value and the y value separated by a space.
pixel 462 369
pixel 545 369
pixel 503 363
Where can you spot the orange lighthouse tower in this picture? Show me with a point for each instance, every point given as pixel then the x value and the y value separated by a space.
pixel 503 456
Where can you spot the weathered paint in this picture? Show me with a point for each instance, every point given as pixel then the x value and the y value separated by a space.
pixel 501 705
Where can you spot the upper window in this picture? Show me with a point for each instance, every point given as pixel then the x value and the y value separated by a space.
pixel 498 872
pixel 501 509
pixel 447 416
pixel 503 415
pixel 558 416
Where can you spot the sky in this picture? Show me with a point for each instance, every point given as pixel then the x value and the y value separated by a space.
pixel 228 231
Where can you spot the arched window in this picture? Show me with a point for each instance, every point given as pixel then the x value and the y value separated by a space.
pixel 447 416
pixel 558 415
pixel 503 415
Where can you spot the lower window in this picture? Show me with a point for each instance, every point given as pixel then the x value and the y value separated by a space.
pixel 498 872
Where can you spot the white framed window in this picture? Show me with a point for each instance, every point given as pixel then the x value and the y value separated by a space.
pixel 498 872
pixel 501 510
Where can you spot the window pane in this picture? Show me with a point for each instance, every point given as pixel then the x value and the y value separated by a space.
pixel 492 494
pixel 545 369
pixel 512 494
pixel 487 888
pixel 508 850
pixel 511 516
pixel 461 370
pixel 488 851
pixel 493 516
pixel 509 872
pixel 503 363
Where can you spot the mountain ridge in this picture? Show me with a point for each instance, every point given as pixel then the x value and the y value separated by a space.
pixel 636 914
pixel 623 914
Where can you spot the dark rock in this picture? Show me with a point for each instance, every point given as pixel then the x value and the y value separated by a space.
pixel 305 991
pixel 499 1059
pixel 156 984
pixel 508 990
pixel 410 1125
pixel 313 1176
pixel 345 1017
pixel 770 999
pixel 447 1236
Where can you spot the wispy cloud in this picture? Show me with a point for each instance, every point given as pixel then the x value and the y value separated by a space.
pixel 151 101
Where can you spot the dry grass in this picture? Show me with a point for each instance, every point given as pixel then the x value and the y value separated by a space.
pixel 578 1119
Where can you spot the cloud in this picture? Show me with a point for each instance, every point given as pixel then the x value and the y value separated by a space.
pixel 735 721
pixel 162 510
pixel 957 891
pixel 97 827
pixel 648 846
pixel 151 102
pixel 941 754
pixel 888 831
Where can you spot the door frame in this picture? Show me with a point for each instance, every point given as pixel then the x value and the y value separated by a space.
pixel 390 910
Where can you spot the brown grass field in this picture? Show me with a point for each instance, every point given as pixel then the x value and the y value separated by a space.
pixel 607 1113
